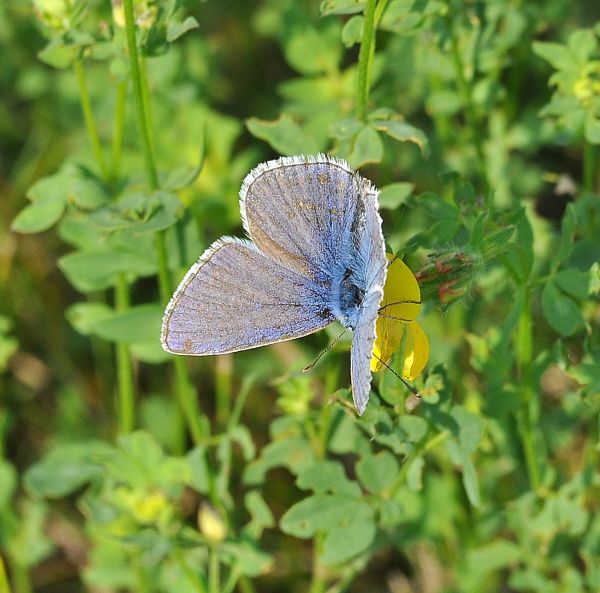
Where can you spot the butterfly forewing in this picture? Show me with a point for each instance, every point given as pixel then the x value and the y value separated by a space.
pixel 300 212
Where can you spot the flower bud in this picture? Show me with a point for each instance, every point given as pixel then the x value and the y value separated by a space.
pixel 449 276
pixel 211 525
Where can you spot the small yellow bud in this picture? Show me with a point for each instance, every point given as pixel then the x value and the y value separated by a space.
pixel 211 525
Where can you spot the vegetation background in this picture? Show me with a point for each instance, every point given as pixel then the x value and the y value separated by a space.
pixel 125 132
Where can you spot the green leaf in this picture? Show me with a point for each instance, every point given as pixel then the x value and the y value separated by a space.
pixel 353 30
pixel 470 481
pixel 96 269
pixel 261 516
pixel 316 513
pixel 491 557
pixel 310 51
pixel 414 475
pixel 183 177
pixel 561 311
pixel 30 545
pixel 367 148
pixel 200 478
pixel 151 352
pixel 249 559
pixel 293 453
pixel 591 128
pixel 64 469
pixel 395 194
pixel 83 316
pixel 8 479
pixel 8 344
pixel 327 477
pixel 556 54
pixel 567 234
pixel 284 135
pixel 573 283
pixel 582 45
pixel 378 472
pixel 414 428
pixel 176 29
pixel 39 216
pixel 141 323
pixel 346 128
pixel 139 213
pixel 342 6
pixel 470 428
pixel 403 132
pixel 353 535
pixel 241 435
pixel 57 54
pixel 348 525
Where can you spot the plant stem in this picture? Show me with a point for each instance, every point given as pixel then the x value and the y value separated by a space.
pixel 185 395
pixel 183 390
pixel 21 578
pixel 191 575
pixel 420 450
pixel 4 584
pixel 223 380
pixel 88 117
pixel 125 380
pixel 589 165
pixel 119 127
pixel 214 576
pixel 318 584
pixel 464 88
pixel 141 110
pixel 524 348
pixel 365 61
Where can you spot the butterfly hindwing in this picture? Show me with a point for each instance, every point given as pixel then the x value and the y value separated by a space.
pixel 235 298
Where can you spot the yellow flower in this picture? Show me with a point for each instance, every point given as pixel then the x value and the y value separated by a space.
pixel 396 325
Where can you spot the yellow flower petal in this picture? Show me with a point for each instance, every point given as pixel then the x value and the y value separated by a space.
pixel 395 324
pixel 416 352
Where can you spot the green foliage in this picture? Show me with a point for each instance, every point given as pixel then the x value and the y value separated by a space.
pixel 126 129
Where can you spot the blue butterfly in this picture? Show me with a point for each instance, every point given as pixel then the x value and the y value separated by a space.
pixel 315 254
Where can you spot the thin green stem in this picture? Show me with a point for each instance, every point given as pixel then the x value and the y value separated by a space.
pixel 365 61
pixel 318 583
pixel 234 418
pixel 3 420
pixel 183 389
pixel 214 571
pixel 125 379
pixel 88 117
pixel 223 384
pixel 142 114
pixel 418 451
pixel 21 579
pixel 188 571
pixel 146 93
pixel 232 580
pixel 524 350
pixel 185 395
pixel 589 165
pixel 119 128
pixel 4 584
pixel 143 586
pixel 465 91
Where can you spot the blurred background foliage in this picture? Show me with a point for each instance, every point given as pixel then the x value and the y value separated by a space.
pixel 125 132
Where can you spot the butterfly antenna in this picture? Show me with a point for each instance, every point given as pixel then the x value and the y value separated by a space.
pixel 316 360
pixel 405 302
pixel 406 383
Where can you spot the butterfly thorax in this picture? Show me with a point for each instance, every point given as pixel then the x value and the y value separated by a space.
pixel 350 296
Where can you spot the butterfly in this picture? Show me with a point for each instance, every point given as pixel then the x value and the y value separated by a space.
pixel 315 254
